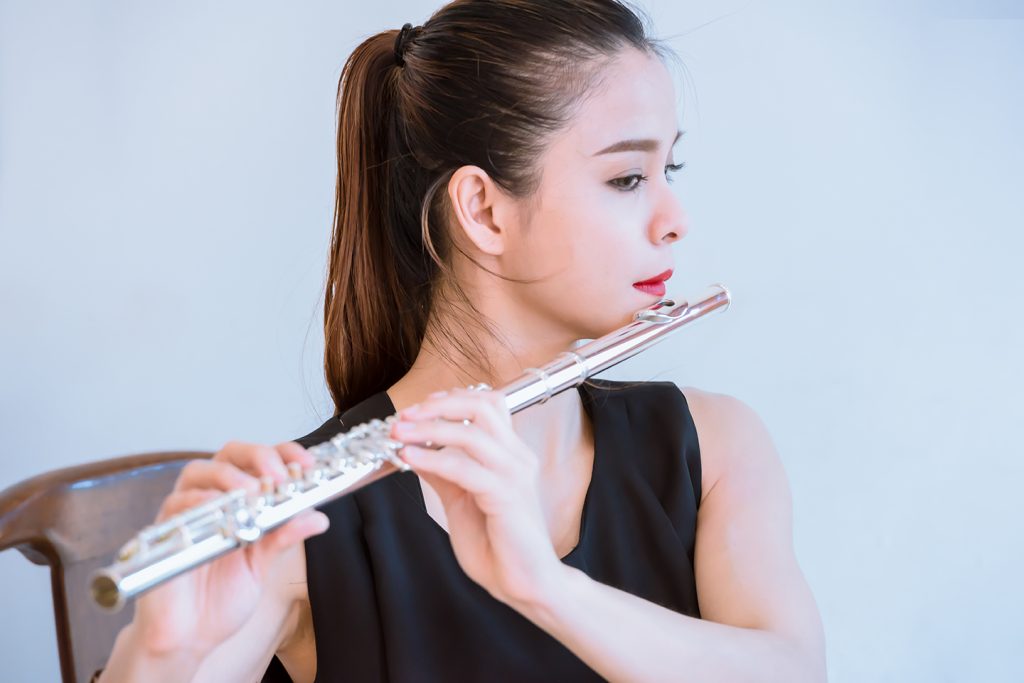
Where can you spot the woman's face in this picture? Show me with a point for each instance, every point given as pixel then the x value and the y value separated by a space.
pixel 604 216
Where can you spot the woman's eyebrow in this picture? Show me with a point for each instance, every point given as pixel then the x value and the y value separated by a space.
pixel 645 145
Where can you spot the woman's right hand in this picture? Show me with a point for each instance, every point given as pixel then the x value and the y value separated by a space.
pixel 198 610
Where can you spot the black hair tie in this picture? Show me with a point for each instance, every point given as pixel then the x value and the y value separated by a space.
pixel 402 40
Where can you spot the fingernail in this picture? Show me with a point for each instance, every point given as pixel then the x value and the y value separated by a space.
pixel 411 410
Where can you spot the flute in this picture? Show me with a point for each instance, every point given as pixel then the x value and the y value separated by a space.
pixel 355 458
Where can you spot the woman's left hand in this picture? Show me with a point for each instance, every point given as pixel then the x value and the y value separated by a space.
pixel 488 481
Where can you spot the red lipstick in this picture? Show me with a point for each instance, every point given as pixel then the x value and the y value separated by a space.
pixel 654 285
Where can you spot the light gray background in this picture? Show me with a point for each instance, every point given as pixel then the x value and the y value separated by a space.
pixel 854 175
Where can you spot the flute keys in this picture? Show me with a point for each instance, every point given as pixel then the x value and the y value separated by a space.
pixel 184 532
pixel 296 483
pixel 242 526
pixel 130 549
pixel 269 492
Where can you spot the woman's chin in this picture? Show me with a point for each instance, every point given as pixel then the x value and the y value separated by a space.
pixel 610 323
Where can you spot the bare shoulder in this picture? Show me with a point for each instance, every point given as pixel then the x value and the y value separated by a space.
pixel 745 563
pixel 728 431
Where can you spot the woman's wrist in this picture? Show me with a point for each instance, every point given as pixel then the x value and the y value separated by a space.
pixel 132 661
pixel 547 593
pixel 563 602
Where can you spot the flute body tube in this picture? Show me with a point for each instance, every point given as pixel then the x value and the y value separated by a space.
pixel 357 457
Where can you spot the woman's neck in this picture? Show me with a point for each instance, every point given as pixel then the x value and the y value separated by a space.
pixel 553 429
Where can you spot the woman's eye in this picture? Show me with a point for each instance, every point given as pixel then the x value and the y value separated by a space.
pixel 631 182
pixel 627 183
pixel 672 168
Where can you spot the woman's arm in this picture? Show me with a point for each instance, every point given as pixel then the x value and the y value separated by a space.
pixel 129 661
pixel 759 618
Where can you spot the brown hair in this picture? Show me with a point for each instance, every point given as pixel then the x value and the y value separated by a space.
pixel 484 83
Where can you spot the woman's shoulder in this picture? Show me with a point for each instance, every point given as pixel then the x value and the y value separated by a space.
pixel 330 428
pixel 376 405
pixel 727 429
pixel 667 394
pixel 731 433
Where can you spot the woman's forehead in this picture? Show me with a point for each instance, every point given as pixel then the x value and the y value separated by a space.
pixel 634 100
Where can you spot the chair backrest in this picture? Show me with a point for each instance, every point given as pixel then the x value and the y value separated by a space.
pixel 75 520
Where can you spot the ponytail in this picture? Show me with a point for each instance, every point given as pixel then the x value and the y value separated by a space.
pixel 373 322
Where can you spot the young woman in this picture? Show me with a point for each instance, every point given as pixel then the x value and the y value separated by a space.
pixel 503 190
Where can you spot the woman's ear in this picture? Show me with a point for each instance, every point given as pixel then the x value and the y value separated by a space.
pixel 481 209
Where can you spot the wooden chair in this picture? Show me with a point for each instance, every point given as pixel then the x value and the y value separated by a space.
pixel 74 520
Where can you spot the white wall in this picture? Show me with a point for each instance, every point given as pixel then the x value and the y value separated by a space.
pixel 854 175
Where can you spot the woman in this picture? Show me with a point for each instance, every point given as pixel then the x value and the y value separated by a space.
pixel 502 192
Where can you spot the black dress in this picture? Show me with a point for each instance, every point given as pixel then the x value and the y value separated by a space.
pixel 390 602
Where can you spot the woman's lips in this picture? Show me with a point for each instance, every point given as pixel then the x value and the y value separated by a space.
pixel 655 288
pixel 655 285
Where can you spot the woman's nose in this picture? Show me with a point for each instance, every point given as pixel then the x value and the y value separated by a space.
pixel 670 222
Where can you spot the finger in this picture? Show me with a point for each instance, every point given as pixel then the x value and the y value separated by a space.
pixel 179 501
pixel 296 530
pixel 291 452
pixel 463 404
pixel 256 459
pixel 214 474
pixel 496 399
pixel 475 442
pixel 460 406
pixel 454 467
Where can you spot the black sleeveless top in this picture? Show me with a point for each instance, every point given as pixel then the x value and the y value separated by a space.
pixel 390 602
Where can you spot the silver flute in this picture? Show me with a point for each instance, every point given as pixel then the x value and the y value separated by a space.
pixel 355 458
